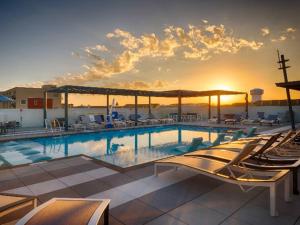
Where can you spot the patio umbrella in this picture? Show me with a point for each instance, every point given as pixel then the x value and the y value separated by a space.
pixel 5 99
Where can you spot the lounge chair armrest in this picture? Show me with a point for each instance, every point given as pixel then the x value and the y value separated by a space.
pixel 279 175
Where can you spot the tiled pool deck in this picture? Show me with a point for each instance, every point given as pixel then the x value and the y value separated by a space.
pixel 173 198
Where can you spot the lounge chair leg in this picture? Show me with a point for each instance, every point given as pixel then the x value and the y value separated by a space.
pixel 295 181
pixel 273 210
pixel 287 188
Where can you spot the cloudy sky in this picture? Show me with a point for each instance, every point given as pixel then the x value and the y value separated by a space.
pixel 157 45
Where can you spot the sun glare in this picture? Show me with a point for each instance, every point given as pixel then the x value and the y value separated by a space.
pixel 225 99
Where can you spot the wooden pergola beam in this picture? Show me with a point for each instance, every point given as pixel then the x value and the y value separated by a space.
pixel 128 92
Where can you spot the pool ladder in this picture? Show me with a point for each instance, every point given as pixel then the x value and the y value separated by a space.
pixel 56 122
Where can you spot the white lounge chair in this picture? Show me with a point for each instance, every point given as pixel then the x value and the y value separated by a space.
pixel 238 174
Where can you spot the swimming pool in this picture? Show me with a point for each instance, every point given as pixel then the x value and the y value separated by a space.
pixel 123 148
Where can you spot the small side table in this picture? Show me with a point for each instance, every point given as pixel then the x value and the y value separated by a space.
pixel 13 207
pixel 69 211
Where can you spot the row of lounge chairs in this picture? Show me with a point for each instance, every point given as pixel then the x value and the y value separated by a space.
pixel 260 120
pixel 265 160
pixel 93 122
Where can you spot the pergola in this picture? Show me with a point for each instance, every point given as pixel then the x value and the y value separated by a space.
pixel 179 94
pixel 290 85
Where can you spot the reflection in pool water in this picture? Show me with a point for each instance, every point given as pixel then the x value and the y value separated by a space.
pixel 122 148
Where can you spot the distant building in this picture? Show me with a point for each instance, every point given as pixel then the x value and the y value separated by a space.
pixel 31 98
pixel 256 94
pixel 276 102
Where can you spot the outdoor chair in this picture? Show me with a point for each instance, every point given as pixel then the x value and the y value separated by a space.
pixel 234 172
pixel 206 144
pixel 261 115
pixel 259 157
pixel 270 120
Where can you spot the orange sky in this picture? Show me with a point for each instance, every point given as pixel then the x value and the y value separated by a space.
pixel 136 44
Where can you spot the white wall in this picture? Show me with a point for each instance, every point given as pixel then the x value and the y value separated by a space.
pixel 34 117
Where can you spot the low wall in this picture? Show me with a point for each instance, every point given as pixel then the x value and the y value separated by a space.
pixel 34 117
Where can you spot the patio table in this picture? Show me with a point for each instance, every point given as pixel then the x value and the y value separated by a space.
pixel 70 211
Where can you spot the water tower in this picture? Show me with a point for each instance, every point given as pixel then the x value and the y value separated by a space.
pixel 256 94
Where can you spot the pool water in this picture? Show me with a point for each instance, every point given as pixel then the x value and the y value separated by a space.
pixel 123 148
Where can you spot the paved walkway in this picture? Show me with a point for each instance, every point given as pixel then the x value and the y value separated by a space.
pixel 173 198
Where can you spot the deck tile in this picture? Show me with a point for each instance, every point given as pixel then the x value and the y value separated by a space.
pixel 226 198
pixel 6 175
pixel 116 196
pixel 90 188
pixel 63 193
pixel 113 221
pixel 257 212
pixel 36 178
pixel 177 194
pixel 165 220
pixel 10 184
pixel 117 179
pixel 46 187
pixel 195 214
pixel 135 213
pixel 27 170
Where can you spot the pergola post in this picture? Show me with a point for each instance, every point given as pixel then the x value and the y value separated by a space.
pixel 179 109
pixel 149 109
pixel 66 146
pixel 219 109
pixel 179 140
pixel 66 111
pixel 107 104
pixel 135 110
pixel 288 95
pixel 149 140
pixel 209 107
pixel 247 106
pixel 45 108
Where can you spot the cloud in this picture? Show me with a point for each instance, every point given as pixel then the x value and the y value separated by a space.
pixel 280 38
pixel 141 85
pixel 288 33
pixel 265 31
pixel 191 42
pixel 290 30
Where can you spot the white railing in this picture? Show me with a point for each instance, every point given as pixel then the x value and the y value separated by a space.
pixel 55 121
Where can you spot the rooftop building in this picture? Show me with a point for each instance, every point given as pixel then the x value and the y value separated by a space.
pixel 31 98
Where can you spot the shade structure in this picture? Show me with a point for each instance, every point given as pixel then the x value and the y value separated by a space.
pixel 293 85
pixel 179 94
pixel 4 98
pixel 290 85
